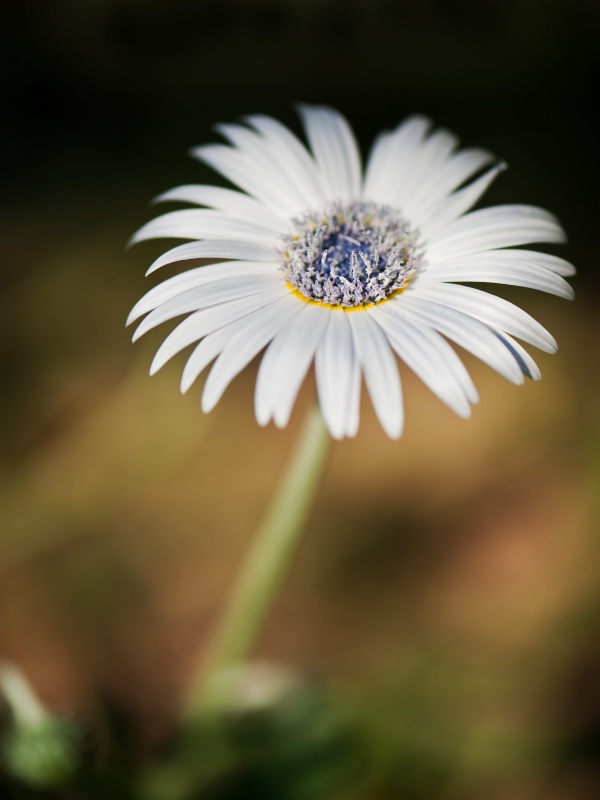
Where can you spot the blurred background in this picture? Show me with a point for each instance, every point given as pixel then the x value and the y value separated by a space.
pixel 445 602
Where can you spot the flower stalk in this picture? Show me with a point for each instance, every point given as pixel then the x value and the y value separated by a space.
pixel 264 569
pixel 38 748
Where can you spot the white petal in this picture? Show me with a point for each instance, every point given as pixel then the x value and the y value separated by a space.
pixel 256 177
pixel 466 331
pixel 290 151
pixel 252 334
pixel 205 352
pixel 492 267
pixel 458 168
pixel 380 371
pixel 215 248
pixel 555 264
pixel 335 150
pixel 335 369
pixel 492 310
pixel 392 157
pixel 207 320
pixel 271 159
pixel 199 276
pixel 432 216
pixel 231 202
pixel 204 296
pixel 285 364
pixel 429 356
pixel 215 343
pixel 528 366
pixel 425 169
pixel 353 405
pixel 375 169
pixel 202 223
pixel 492 228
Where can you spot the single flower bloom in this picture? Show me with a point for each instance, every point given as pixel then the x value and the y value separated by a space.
pixel 348 268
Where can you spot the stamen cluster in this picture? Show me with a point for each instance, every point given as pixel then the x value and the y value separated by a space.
pixel 351 254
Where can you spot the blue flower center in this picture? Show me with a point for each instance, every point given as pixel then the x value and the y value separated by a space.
pixel 342 254
pixel 354 254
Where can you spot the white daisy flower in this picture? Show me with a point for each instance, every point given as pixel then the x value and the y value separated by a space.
pixel 327 263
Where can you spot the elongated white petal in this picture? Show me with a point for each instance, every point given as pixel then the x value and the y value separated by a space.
pixel 272 160
pixel 555 264
pixel 425 168
pixel 205 352
pixel 207 320
pixel 380 371
pixel 469 333
pixel 458 168
pixel 434 190
pixel 353 403
pixel 462 166
pixel 492 228
pixel 335 151
pixel 214 248
pixel 492 310
pixel 432 215
pixel 528 366
pixel 199 276
pixel 215 343
pixel 204 296
pixel 430 357
pixel 260 180
pixel 232 202
pixel 392 158
pixel 256 333
pixel 202 223
pixel 285 364
pixel 376 165
pixel 492 268
pixel 335 369
pixel 210 347
pixel 293 155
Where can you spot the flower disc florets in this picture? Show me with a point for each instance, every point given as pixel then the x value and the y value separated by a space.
pixel 352 254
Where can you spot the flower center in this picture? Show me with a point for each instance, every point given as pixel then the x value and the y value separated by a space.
pixel 352 254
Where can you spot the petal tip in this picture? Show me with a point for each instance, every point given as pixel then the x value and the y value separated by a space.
pixel 138 333
pixel 156 364
pixel 281 419
pixel 395 434
pixel 464 412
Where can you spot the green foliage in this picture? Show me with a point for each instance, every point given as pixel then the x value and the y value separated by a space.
pixel 298 748
pixel 44 755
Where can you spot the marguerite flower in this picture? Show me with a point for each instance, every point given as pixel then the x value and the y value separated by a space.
pixel 348 269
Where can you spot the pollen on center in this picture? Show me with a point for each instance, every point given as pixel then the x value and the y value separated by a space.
pixel 349 256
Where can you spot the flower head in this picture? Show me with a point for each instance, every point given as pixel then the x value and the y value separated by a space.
pixel 327 263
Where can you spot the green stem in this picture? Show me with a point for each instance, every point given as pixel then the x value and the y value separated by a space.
pixel 26 708
pixel 265 567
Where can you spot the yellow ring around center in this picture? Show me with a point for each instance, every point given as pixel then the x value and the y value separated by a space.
pixel 338 307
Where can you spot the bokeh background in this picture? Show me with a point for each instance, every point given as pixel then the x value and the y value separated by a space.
pixel 447 589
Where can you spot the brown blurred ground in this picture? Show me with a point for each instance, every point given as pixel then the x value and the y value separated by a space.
pixel 448 582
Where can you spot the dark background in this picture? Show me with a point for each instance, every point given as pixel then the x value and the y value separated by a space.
pixel 96 93
pixel 449 582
